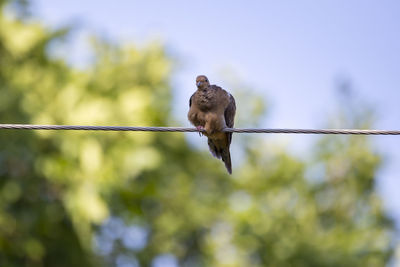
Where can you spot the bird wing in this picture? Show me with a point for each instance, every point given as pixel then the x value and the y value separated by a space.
pixel 230 115
pixel 190 100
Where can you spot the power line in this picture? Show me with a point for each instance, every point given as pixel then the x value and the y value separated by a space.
pixel 183 129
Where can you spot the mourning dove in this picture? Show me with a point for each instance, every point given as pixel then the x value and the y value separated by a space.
pixel 212 109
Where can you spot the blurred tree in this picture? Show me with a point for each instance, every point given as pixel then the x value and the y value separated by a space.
pixel 142 199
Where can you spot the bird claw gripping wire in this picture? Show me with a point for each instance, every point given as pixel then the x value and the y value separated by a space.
pixel 200 129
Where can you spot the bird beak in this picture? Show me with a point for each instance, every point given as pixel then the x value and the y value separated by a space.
pixel 198 84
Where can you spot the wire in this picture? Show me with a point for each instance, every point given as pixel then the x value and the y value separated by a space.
pixel 183 129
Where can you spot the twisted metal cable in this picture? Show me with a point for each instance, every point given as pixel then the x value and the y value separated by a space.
pixel 183 129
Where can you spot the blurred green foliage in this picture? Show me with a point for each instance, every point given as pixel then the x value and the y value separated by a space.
pixel 133 199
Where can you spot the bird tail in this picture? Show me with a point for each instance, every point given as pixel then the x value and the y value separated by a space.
pixel 223 154
pixel 226 158
pixel 213 149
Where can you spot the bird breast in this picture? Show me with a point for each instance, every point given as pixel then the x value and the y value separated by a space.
pixel 206 100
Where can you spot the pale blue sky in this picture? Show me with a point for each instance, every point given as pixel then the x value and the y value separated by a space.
pixel 291 51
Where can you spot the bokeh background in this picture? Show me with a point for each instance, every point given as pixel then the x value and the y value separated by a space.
pixel 160 199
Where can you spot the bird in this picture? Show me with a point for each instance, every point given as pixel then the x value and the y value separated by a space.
pixel 211 109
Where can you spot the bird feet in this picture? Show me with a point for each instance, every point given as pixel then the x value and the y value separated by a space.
pixel 200 129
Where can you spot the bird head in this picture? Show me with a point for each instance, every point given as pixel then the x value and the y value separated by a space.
pixel 202 82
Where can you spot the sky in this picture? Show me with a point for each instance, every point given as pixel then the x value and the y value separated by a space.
pixel 292 52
